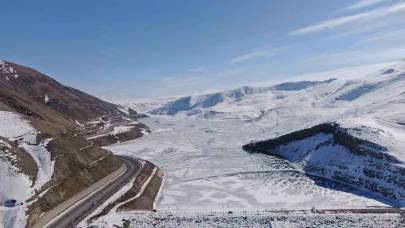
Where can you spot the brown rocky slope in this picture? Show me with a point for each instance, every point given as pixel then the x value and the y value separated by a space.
pixel 55 111
pixel 29 92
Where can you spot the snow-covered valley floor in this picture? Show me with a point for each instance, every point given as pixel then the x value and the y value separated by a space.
pixel 197 141
pixel 206 168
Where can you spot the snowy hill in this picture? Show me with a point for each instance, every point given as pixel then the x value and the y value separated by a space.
pixel 361 152
pixel 247 101
pixel 370 109
pixel 380 95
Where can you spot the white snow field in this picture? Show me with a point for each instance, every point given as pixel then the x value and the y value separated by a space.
pixel 196 141
pixel 206 168
pixel 15 184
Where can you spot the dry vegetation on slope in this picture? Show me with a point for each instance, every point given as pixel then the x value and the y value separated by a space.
pixel 54 111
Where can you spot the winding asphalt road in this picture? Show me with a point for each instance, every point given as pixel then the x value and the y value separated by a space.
pixel 81 210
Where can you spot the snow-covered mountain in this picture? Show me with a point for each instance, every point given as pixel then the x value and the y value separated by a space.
pixel 145 105
pixel 381 94
pixel 248 101
pixel 365 149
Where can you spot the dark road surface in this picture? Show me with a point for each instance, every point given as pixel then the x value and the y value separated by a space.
pixel 81 210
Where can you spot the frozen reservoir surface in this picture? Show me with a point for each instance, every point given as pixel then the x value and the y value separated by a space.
pixel 206 168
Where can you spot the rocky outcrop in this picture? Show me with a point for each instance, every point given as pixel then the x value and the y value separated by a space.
pixel 331 151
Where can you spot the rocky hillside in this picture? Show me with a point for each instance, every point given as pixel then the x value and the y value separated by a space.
pixel 29 92
pixel 45 157
pixel 363 153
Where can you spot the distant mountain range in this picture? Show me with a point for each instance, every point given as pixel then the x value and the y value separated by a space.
pixel 383 88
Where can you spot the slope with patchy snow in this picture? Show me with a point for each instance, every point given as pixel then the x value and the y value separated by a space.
pixel 14 183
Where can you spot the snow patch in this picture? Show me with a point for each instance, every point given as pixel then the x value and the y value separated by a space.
pixel 123 109
pixel 15 184
pixel 46 98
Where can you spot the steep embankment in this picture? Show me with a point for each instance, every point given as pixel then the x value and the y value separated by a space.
pixel 359 152
pixel 140 196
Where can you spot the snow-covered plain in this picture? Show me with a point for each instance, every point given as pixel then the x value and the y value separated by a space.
pixel 15 184
pixel 197 142
pixel 206 168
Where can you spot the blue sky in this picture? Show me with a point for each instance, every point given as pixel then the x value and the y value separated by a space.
pixel 163 48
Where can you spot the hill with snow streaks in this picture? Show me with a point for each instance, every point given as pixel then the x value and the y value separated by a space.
pixel 18 180
pixel 381 94
pixel 244 102
pixel 360 152
pixel 45 158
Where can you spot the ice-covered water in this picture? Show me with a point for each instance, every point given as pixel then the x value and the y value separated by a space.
pixel 205 168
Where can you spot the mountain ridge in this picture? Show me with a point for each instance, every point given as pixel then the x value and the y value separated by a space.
pixel 193 103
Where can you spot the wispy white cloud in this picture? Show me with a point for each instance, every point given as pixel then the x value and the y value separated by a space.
pixel 398 35
pixel 361 4
pixel 255 55
pixel 356 57
pixel 199 69
pixel 356 18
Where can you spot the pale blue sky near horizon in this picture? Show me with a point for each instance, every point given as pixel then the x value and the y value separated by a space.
pixel 164 48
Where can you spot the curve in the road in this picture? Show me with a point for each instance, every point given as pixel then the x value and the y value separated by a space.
pixel 81 210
